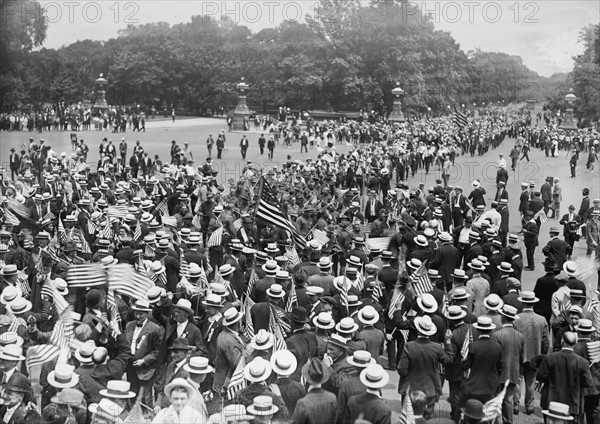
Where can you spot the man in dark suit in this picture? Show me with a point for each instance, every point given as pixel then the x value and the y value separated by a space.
pixel 16 401
pixel 512 343
pixel 570 221
pixel 484 361
pixel 230 347
pixel 556 249
pixel 361 359
pixel 591 395
pixel 372 207
pixel 370 405
pixel 145 338
pixel 476 196
pixel 530 231
pixel 458 203
pixel 178 326
pixel 302 343
pixel 388 274
pixel 454 372
pixel 565 374
pixel 318 405
pixel 524 199
pixel 546 192
pixel 420 360
pixel 15 163
pixel 175 369
pixel 261 312
pixel 212 325
pixel 501 193
pixel 446 259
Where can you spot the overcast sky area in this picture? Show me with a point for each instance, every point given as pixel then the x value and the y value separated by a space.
pixel 543 33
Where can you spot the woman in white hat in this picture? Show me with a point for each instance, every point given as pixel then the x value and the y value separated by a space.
pixel 179 392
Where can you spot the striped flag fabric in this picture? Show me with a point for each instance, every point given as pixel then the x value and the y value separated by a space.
pixel 62 234
pixel 184 267
pixel 63 331
pixel 49 216
pixel 11 218
pixel 162 208
pixel 137 233
pixel 91 227
pixel 251 282
pixel 292 255
pixel 460 119
pixel 396 303
pixel 493 407
pixel 125 280
pixel 378 291
pixel 277 332
pixel 292 299
pixel 464 351
pixel 19 209
pixel 281 319
pixel 86 275
pixel 60 302
pixel 407 415
pixel 320 236
pixel 117 211
pixel 16 323
pixel 421 283
pixel 541 215
pixel 237 224
pixel 237 381
pixel 196 221
pixel 203 283
pixel 270 211
pixel 85 246
pixel 40 354
pixel 111 302
pixel 169 221
pixel 249 329
pixel 216 238
pixel 593 351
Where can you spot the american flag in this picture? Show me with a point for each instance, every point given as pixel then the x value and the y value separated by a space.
pixel 237 224
pixel 396 303
pixel 85 246
pixel 407 415
pixel 275 329
pixel 216 238
pixel 63 331
pixel 251 282
pixel 377 292
pixel 281 319
pixel 460 119
pixel 184 267
pixel 464 351
pixel 60 302
pixel 19 208
pixel 111 302
pixel 197 222
pixel 49 216
pixel 420 281
pixel 162 208
pixel 169 221
pixel 292 299
pixel 137 233
pixel 292 255
pixel 16 323
pixel 62 234
pixel 117 211
pixel 249 329
pixel 86 275
pixel 237 381
pixel 593 351
pixel 541 215
pixel 125 280
pixel 40 354
pixel 270 211
pixel 493 407
pixel 92 227
pixel 11 218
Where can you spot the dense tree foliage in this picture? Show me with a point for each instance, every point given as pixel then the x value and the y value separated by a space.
pixel 347 60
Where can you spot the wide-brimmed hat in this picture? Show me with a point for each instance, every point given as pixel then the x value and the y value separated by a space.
pixel 509 312
pixel 262 340
pixel 425 326
pixel 141 306
pixel 9 269
pixel 231 316
pixel 476 265
pixel 427 303
pixel 10 338
pixel 361 359
pixel 459 274
pixel 10 294
pixel 346 326
pixel 324 321
pixel 324 263
pixel 421 241
pixel 276 290
pixel 118 389
pixel 474 235
pixel 272 248
pixel 184 305
pixel 339 341
pixel 414 263
pixel 154 294
pixel 445 236
pixel 84 353
pixel 455 312
pixel 262 406
pixel 61 286
pixel 558 410
pixel 386 254
pixel 271 267
pixel 484 323
pixel 19 306
pixel 315 290
pixel 259 369
pixel 528 297
pixel 179 383
pixel 213 300
pixel 181 343
pixel 220 289
pixel 570 267
pixel 354 260
pixel 473 409
pixel 283 362
pixel 353 301
pixel 505 268
pixel 493 302
pixel 374 377
pixel 368 315
pixel 226 270
pixel 63 376
pixel 70 397
pixel 12 352
pixel 460 293
pixel 585 326
pixel 299 315
pixel 18 383
pixel 315 372
pixel 198 365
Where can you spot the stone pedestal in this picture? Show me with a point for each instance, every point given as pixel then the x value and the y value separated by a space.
pixel 241 114
pixel 397 115
pixel 100 105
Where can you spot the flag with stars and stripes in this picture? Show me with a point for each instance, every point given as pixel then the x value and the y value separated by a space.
pixel 62 234
pixel 125 280
pixel 292 255
pixel 41 354
pixel 492 409
pixel 541 215
pixel 251 282
pixel 216 238
pixel 86 275
pixel 249 328
pixel 270 211
pixel 421 283
pixel 464 351
pixel 237 381
pixel 407 415
pixel 460 119
pixel 292 299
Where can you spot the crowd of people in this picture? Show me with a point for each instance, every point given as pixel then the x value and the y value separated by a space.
pixel 151 293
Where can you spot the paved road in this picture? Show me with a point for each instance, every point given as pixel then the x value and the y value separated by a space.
pixel 158 136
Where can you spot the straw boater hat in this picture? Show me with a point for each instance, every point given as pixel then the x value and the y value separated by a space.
pixel 455 313
pixel 107 409
pixel 84 353
pixel 12 352
pixel 198 365
pixel 346 326
pixel 185 305
pixel 70 397
pixel 262 406
pixel 226 270
pixel 213 300
pixel 324 321
pixel 141 306
pixel 231 316
pixel 361 359
pixel 414 263
pixel 19 306
pixel 509 312
pixel 484 323
pixel 63 376
pixel 283 362
pixel 263 340
pixel 315 372
pixel 154 294
pixel 10 338
pixel 10 294
pixel 558 410
pixel 374 377
pixel 528 297
pixel 425 326
pixel 118 389
pixel 585 326
pixel 276 290
pixel 315 290
pixel 493 302
pixel 427 303
pixel 570 268
pixel 258 370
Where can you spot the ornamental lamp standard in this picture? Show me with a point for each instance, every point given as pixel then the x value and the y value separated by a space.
pixel 241 113
pixel 397 115
pixel 569 120
pixel 100 105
